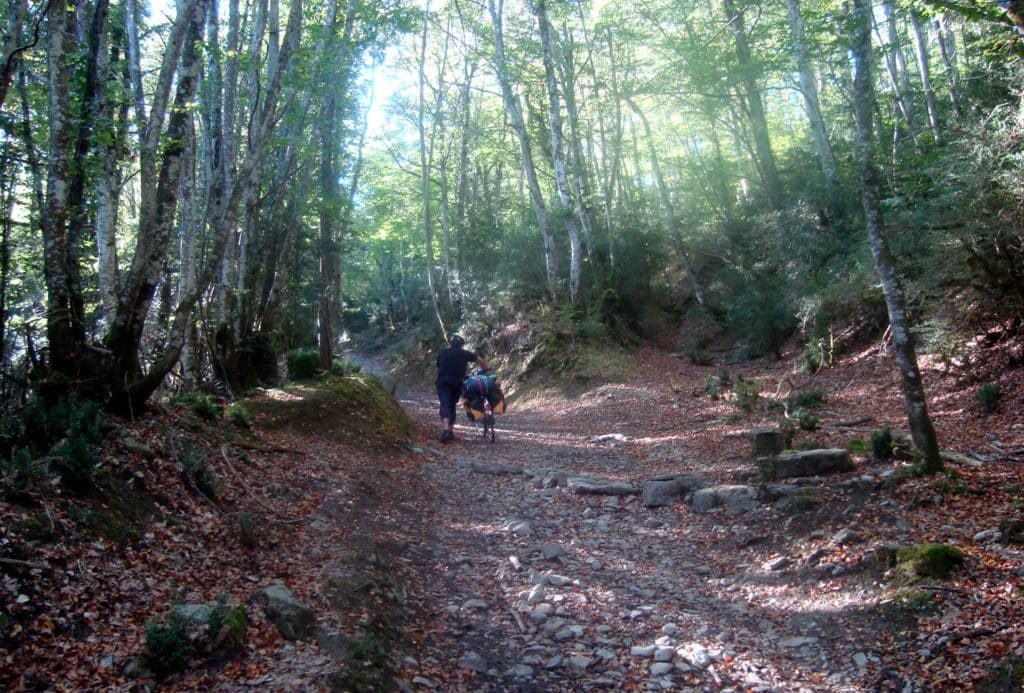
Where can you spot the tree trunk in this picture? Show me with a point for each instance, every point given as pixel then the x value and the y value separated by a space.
pixel 328 217
pixel 426 164
pixel 895 66
pixel 668 212
pixel 515 114
pixel 565 200
pixel 108 187
pixel 906 358
pixel 947 50
pixel 809 90
pixel 755 107
pixel 921 51
pixel 13 45
pixel 64 325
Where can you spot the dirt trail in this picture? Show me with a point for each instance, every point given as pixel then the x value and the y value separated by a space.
pixel 523 584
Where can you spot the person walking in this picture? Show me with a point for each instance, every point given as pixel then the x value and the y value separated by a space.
pixel 451 372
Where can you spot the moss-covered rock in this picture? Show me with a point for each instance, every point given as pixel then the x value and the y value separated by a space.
pixel 912 563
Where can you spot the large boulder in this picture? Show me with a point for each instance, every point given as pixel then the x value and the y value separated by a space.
pixel 806 463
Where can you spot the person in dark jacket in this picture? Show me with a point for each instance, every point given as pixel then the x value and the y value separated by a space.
pixel 451 372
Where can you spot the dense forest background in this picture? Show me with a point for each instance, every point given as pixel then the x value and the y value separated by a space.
pixel 191 192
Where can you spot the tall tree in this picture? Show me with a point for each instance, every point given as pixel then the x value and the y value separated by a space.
pixel 515 114
pixel 809 91
pixel 871 192
pixel 426 163
pixel 565 199
pixel 753 104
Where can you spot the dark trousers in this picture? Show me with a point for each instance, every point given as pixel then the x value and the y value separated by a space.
pixel 448 394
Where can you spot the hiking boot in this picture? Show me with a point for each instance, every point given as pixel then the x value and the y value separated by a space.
pixel 447 436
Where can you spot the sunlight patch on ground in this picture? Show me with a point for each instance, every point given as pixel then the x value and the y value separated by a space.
pixel 281 395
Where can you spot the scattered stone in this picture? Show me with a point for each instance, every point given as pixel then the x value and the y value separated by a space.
pixel 579 662
pixel 662 668
pixel 664 654
pixel 520 671
pixel 988 536
pixel 537 595
pixel 643 650
pixel 778 563
pixel 293 619
pixel 861 660
pixel 475 605
pixel 798 642
pixel 610 438
pixel 491 468
pixel 734 498
pixel 664 491
pixel 473 662
pixel 846 536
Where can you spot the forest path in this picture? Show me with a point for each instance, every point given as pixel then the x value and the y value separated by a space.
pixel 523 585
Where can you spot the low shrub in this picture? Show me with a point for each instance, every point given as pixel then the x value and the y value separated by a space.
pixel 344 367
pixel 167 644
pixel 697 351
pixel 989 395
pixel 747 393
pixel 200 404
pixel 857 446
pixel 807 399
pixel 882 444
pixel 239 415
pixel 302 364
pixel 807 421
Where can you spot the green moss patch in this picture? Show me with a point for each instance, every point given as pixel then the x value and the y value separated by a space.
pixel 911 563
pixel 353 409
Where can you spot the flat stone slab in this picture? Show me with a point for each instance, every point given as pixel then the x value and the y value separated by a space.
pixel 582 485
pixel 492 468
pixel 806 463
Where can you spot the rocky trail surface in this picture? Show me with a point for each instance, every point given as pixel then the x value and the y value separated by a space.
pixel 618 536
pixel 583 549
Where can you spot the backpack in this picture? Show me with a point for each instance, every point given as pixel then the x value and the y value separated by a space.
pixel 478 388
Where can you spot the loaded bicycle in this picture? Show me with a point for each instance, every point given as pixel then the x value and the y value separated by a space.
pixel 482 398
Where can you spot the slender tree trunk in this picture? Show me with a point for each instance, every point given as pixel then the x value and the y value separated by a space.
pixel 895 66
pixel 809 90
pixel 515 114
pixel 13 45
pixel 328 217
pixel 947 49
pixel 755 107
pixel 921 51
pixel 906 358
pixel 425 168
pixel 582 183
pixel 613 167
pixel 668 213
pixel 65 330
pixel 565 200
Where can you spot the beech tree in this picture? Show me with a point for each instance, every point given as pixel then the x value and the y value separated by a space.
pixel 871 191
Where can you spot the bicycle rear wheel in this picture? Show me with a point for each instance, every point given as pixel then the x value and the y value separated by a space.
pixel 489 427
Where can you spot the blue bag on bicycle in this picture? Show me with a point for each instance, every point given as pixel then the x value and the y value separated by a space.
pixel 480 389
